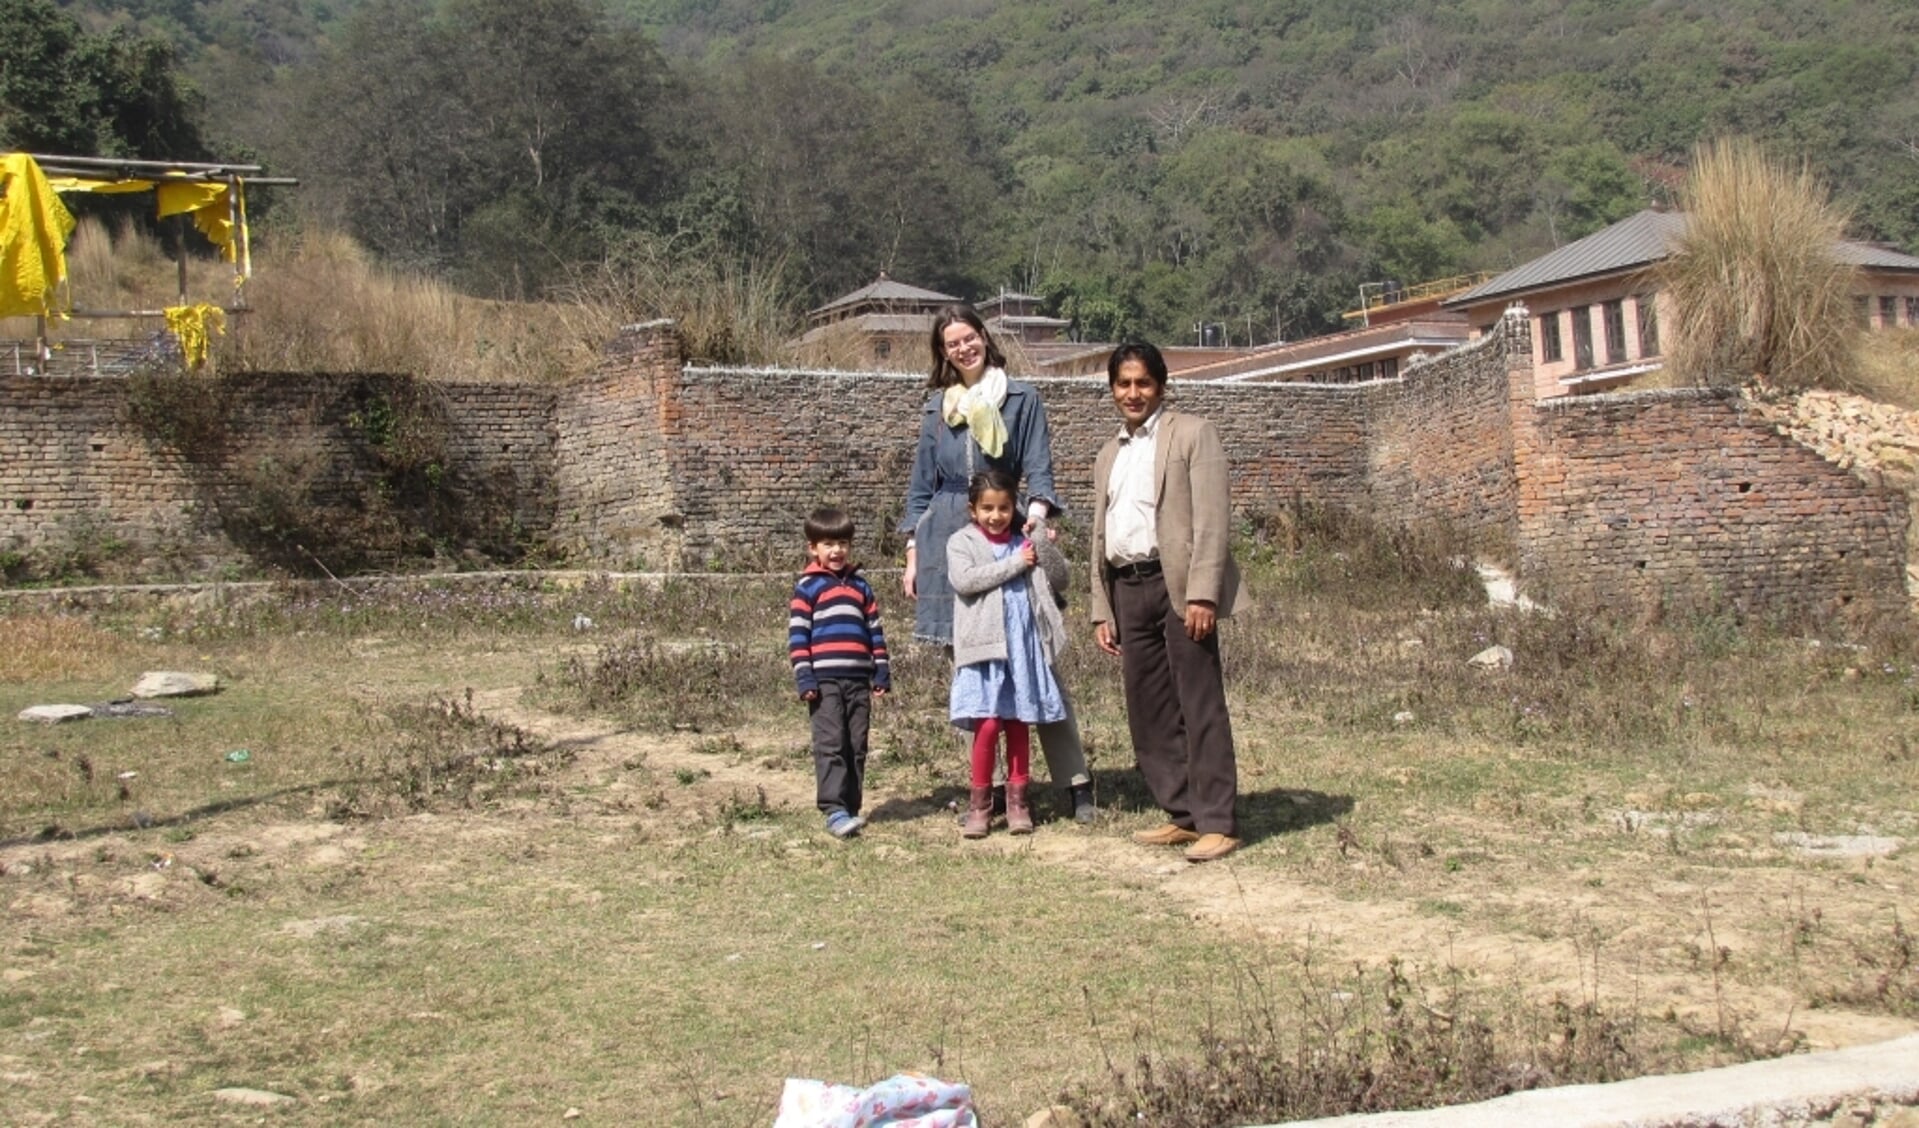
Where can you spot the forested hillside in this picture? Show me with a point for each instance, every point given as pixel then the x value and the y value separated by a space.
pixel 1143 165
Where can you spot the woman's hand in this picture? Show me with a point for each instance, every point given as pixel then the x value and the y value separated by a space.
pixel 909 577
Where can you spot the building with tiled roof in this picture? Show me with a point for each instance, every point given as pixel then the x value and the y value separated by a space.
pixel 882 325
pixel 1596 307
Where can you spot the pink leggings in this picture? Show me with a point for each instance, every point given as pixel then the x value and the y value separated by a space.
pixel 1019 750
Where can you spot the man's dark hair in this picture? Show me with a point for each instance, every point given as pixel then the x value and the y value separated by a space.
pixel 1141 351
pixel 828 524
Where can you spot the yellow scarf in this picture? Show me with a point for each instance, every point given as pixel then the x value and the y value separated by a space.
pixel 977 408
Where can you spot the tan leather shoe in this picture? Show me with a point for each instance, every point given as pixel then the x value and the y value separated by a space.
pixel 1167 834
pixel 1211 847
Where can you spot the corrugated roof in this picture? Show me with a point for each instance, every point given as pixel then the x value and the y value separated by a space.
pixel 884 289
pixel 1638 241
pixel 1875 257
pixel 1635 243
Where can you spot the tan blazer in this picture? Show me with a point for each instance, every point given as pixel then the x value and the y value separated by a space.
pixel 1193 519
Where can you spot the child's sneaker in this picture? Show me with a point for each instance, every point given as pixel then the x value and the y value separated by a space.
pixel 839 824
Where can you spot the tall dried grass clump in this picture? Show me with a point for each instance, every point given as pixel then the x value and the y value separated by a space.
pixel 727 312
pixel 1760 292
pixel 328 307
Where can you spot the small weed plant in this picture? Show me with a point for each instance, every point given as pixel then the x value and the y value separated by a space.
pixel 445 754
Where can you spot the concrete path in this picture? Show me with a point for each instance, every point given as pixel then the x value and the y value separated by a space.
pixel 1790 1091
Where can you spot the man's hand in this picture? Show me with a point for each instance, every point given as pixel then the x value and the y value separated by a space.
pixel 879 691
pixel 1200 620
pixel 1103 634
pixel 810 695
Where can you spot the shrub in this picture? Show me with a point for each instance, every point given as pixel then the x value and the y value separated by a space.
pixel 1760 293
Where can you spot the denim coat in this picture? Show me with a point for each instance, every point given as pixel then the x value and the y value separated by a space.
pixel 943 465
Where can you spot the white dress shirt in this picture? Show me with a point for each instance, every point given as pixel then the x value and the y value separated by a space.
pixel 1132 526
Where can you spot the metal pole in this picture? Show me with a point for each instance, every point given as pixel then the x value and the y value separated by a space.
pixel 180 242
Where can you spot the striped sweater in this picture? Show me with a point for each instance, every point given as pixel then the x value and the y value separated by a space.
pixel 833 630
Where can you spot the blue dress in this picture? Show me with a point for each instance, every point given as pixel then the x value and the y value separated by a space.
pixel 1022 687
pixel 943 466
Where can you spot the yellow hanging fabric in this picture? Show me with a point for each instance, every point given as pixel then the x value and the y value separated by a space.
pixel 103 187
pixel 208 204
pixel 34 226
pixel 192 326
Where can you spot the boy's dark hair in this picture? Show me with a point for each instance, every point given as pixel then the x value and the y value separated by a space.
pixel 828 524
pixel 1142 351
pixel 997 480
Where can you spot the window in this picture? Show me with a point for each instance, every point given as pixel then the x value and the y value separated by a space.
pixel 1615 314
pixel 1366 371
pixel 1389 369
pixel 1912 311
pixel 1646 309
pixel 1862 307
pixel 1888 311
pixel 882 348
pixel 1549 347
pixel 1582 338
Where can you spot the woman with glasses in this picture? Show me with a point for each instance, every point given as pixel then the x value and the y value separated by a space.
pixel 977 419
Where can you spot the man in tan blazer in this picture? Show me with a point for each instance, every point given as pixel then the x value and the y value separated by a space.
pixel 1163 575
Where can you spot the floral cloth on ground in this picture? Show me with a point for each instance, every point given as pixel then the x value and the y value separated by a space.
pixel 905 1100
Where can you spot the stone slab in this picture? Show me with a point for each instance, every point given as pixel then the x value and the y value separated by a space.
pixel 55 714
pixel 1782 1092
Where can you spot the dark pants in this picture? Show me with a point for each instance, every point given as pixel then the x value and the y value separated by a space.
pixel 840 719
pixel 1176 708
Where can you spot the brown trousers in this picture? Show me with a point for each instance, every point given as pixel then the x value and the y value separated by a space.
pixel 1176 708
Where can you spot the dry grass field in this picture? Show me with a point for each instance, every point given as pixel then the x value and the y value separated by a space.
pixel 486 862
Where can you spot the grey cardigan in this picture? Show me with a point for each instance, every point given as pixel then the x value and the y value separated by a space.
pixel 979 610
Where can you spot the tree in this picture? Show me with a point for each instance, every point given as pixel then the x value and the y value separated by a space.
pixel 68 91
pixel 500 140
pixel 843 181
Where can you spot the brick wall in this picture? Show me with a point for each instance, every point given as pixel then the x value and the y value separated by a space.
pixel 73 471
pixel 758 448
pixel 1643 497
pixel 77 474
pixel 1683 497
pixel 615 498
pixel 1440 449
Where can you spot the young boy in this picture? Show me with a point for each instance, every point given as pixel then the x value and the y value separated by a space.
pixel 839 662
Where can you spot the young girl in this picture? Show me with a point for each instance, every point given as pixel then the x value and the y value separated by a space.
pixel 1007 632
